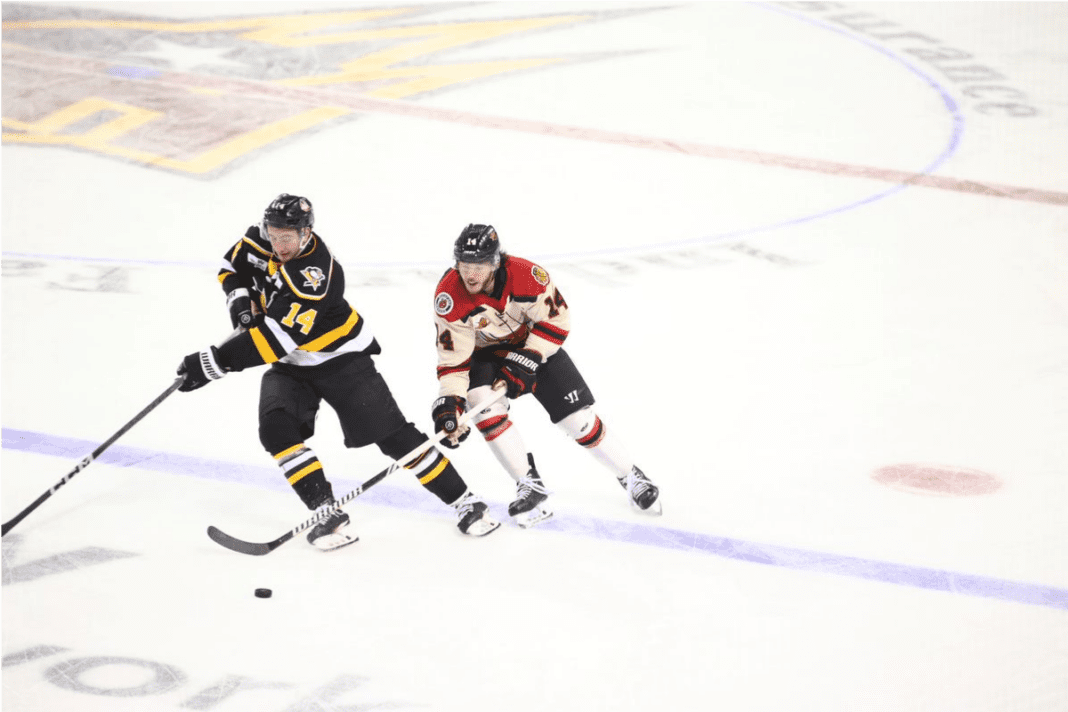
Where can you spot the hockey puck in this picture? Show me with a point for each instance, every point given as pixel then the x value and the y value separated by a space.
pixel 263 593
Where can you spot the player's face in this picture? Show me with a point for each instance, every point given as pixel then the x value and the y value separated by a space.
pixel 285 241
pixel 476 276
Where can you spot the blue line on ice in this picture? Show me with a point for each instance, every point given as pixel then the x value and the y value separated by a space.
pixel 412 497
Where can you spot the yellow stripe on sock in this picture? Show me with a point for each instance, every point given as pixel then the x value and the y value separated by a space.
pixel 417 460
pixel 297 477
pixel 288 451
pixel 435 472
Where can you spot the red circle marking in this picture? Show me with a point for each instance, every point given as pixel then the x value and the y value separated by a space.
pixel 942 480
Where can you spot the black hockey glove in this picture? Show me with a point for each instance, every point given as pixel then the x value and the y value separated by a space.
pixel 200 369
pixel 240 306
pixel 520 371
pixel 446 414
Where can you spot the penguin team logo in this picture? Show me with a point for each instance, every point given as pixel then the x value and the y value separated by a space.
pixel 443 303
pixel 313 277
pixel 540 275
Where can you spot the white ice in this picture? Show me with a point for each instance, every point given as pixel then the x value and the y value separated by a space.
pixel 764 337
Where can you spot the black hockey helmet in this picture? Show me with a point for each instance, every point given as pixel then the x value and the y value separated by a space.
pixel 478 243
pixel 289 211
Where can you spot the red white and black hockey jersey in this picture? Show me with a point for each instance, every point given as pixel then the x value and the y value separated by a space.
pixel 307 320
pixel 525 310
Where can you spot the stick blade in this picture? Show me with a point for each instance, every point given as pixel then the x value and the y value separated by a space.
pixel 240 546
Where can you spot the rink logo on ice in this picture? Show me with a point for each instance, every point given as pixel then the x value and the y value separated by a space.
pixel 110 676
pixel 197 96
pixel 50 565
pixel 985 89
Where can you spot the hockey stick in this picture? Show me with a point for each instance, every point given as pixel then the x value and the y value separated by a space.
pixel 88 459
pixel 252 549
pixel 85 461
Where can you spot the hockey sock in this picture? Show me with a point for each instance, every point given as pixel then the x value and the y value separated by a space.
pixel 504 441
pixel 437 474
pixel 304 472
pixel 506 444
pixel 609 451
pixel 587 429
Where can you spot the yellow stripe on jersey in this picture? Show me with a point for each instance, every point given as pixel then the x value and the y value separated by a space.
pixel 223 274
pixel 288 451
pixel 333 335
pixel 298 476
pixel 253 245
pixel 266 352
pixel 435 472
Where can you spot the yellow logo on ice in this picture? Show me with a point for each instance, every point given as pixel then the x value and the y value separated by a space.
pixel 198 123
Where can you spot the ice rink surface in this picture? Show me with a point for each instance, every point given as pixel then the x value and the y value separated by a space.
pixel 816 257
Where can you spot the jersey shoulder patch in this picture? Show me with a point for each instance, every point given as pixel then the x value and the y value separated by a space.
pixel 451 300
pixel 526 278
pixel 444 304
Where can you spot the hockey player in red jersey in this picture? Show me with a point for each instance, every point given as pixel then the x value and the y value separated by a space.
pixel 287 291
pixel 502 317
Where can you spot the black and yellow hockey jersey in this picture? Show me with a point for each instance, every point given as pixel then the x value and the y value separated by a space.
pixel 306 318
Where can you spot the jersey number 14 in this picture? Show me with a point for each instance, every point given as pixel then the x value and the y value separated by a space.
pixel 306 320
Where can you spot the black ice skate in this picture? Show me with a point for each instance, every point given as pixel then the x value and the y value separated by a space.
pixel 644 495
pixel 527 508
pixel 327 534
pixel 474 518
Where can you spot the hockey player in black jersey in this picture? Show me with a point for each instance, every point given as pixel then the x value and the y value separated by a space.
pixel 287 292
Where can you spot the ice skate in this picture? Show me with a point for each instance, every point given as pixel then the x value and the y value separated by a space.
pixel 474 518
pixel 644 495
pixel 527 509
pixel 328 534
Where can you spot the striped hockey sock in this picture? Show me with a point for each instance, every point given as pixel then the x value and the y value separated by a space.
pixel 437 474
pixel 506 444
pixel 304 473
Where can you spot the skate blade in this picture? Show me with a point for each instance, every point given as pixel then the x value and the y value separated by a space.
pixel 482 527
pixel 526 520
pixel 332 542
pixel 655 509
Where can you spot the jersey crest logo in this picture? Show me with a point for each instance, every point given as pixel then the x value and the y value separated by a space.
pixel 313 277
pixel 482 323
pixel 443 303
pixel 540 275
